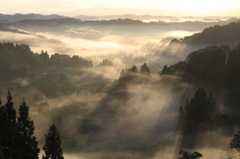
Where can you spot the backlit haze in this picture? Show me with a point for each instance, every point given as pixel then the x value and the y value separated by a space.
pixel 107 7
pixel 118 77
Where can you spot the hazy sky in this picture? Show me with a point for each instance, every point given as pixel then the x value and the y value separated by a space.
pixel 113 7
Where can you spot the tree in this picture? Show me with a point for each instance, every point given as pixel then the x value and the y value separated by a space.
pixel 201 108
pixel 28 143
pixel 105 63
pixel 145 70
pixel 233 69
pixel 180 118
pixel 235 141
pixel 1 155
pixel 221 120
pixel 52 145
pixel 43 57
pixel 133 69
pixel 164 70
pixel 7 128
pixel 187 104
pixel 187 155
pixel 181 113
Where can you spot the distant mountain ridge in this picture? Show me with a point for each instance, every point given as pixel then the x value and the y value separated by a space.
pixel 124 16
pixel 6 18
pixel 47 21
pixel 66 21
pixel 156 18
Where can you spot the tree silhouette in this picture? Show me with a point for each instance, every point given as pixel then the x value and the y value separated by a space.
pixel 180 118
pixel 133 69
pixel 105 62
pixel 235 141
pixel 145 70
pixel 221 120
pixel 44 57
pixel 28 143
pixel 1 155
pixel 52 147
pixel 202 107
pixel 187 155
pixel 7 128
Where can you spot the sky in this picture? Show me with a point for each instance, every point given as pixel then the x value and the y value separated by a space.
pixel 118 7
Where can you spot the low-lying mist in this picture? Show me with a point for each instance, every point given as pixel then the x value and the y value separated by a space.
pixel 116 98
pixel 116 43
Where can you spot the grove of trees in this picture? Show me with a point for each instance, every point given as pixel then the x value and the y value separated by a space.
pixel 17 140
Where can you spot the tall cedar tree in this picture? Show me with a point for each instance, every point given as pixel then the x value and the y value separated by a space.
pixel 28 143
pixel 202 107
pixel 52 145
pixel 145 70
pixel 7 128
pixel 1 155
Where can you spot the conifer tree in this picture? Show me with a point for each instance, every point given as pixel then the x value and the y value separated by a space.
pixel 181 113
pixel 164 70
pixel 7 127
pixel 235 141
pixel 28 143
pixel 145 70
pixel 52 147
pixel 202 107
pixel 180 118
pixel 133 69
pixel 187 104
pixel 1 155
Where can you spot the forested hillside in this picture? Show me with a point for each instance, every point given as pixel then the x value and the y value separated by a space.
pixel 119 111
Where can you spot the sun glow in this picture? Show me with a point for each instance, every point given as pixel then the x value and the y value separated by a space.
pixel 113 7
pixel 207 6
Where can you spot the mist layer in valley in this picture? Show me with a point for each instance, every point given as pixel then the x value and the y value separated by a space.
pixel 123 88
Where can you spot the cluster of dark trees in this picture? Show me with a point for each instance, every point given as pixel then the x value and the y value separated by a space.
pixel 105 63
pixel 234 144
pixel 17 140
pixel 218 66
pixel 16 60
pixel 226 34
pixel 199 109
pixel 132 72
pixel 201 114
pixel 203 65
pixel 187 155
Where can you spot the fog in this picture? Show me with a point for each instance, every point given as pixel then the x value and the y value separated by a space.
pixel 125 47
pixel 101 113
